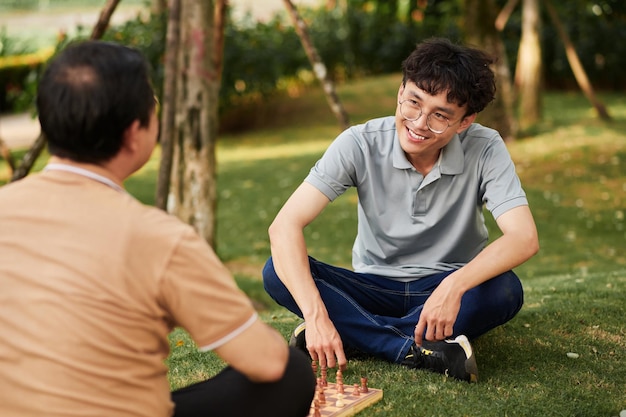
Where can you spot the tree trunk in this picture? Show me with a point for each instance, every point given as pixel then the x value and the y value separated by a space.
pixel 574 62
pixel 529 68
pixel 480 30
pixel 168 109
pixel 35 150
pixel 319 67
pixel 219 28
pixel 193 187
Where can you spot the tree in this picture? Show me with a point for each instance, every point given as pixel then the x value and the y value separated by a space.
pixel 321 72
pixel 480 16
pixel 168 107
pixel 529 69
pixel 574 62
pixel 193 188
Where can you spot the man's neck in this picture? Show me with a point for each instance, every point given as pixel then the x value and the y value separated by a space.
pixel 423 164
pixel 104 170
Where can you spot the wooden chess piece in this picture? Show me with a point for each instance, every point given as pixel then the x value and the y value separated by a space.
pixel 316 409
pixel 321 396
pixel 324 376
pixel 339 382
pixel 364 388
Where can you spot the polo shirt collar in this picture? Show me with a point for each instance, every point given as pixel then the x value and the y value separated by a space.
pixel 452 158
pixel 399 158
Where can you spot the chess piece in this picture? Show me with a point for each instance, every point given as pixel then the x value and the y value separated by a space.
pixel 339 382
pixel 316 409
pixel 339 402
pixel 356 391
pixel 324 376
pixel 340 388
pixel 364 388
pixel 321 396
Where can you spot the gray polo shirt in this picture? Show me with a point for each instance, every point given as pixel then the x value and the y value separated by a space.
pixel 410 226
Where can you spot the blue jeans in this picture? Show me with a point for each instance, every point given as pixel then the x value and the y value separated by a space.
pixel 377 315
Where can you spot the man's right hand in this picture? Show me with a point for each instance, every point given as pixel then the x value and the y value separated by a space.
pixel 324 344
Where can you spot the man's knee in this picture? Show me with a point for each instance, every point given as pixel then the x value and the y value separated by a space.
pixel 511 290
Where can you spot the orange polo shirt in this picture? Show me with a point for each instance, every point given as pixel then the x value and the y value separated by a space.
pixel 91 284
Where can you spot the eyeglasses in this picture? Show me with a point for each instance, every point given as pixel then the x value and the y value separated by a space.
pixel 436 122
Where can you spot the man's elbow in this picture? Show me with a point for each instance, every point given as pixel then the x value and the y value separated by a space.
pixel 273 231
pixel 279 229
pixel 531 245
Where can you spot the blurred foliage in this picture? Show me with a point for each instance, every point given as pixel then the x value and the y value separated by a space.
pixel 262 58
pixel 15 77
pixel 22 5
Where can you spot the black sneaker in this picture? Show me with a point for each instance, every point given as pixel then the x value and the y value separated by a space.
pixel 453 358
pixel 298 339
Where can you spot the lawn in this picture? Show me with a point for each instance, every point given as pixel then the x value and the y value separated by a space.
pixel 563 355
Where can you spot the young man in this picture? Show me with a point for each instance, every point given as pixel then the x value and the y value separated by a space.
pixel 92 281
pixel 424 280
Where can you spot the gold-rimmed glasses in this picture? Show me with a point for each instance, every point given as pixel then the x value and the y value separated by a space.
pixel 411 110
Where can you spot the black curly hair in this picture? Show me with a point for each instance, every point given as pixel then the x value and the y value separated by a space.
pixel 438 65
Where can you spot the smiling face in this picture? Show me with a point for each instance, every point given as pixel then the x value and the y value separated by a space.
pixel 419 143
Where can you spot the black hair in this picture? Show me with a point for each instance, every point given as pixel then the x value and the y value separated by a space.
pixel 438 65
pixel 89 95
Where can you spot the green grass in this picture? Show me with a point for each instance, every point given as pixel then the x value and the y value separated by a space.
pixel 573 171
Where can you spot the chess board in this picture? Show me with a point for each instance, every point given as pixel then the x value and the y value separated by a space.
pixel 352 403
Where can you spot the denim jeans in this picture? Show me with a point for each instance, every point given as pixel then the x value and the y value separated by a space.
pixel 377 315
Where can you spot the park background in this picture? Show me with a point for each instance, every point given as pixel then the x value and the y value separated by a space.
pixel 563 355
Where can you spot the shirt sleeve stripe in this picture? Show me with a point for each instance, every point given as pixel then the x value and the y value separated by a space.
pixel 231 335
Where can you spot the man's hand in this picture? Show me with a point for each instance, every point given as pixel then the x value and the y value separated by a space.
pixel 324 344
pixel 439 313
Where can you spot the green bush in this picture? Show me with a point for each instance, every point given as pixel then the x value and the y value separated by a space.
pixel 147 35
pixel 16 78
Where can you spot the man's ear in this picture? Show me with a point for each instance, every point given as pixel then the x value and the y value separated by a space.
pixel 400 91
pixel 466 122
pixel 132 136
